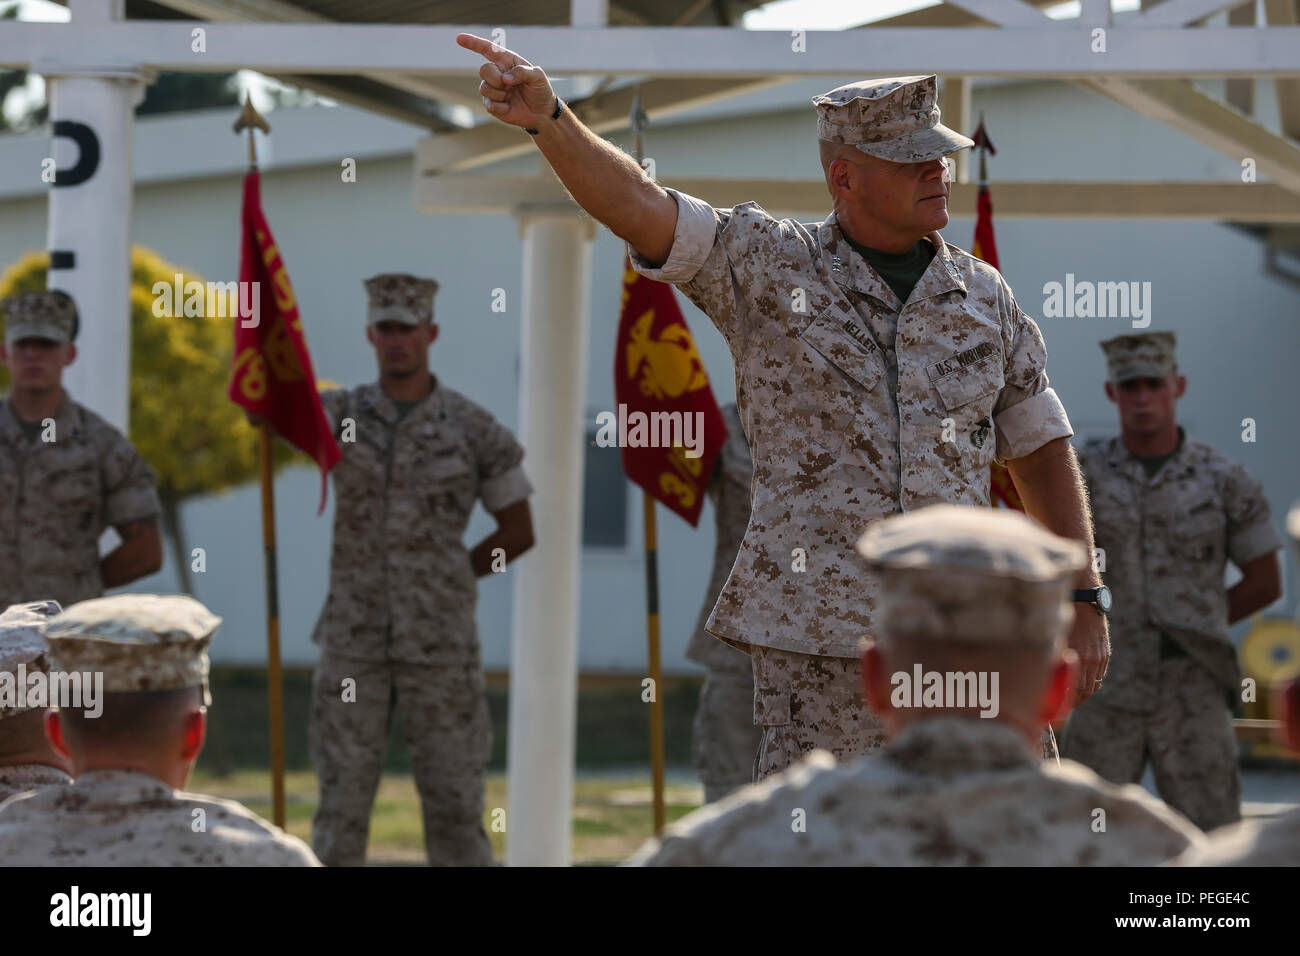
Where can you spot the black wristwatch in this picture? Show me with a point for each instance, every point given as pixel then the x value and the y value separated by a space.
pixel 1098 597
pixel 559 108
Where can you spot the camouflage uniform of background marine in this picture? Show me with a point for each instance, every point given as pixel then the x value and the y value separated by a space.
pixel 846 392
pixel 1273 842
pixel 21 644
pixel 724 738
pixel 57 497
pixel 948 790
pixel 399 619
pixel 118 817
pixel 1174 676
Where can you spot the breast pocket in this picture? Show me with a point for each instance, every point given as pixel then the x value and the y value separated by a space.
pixel 451 485
pixel 1202 540
pixel 968 396
pixel 76 495
pixel 840 367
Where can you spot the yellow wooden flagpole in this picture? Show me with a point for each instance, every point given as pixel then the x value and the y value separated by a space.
pixel 652 586
pixel 250 119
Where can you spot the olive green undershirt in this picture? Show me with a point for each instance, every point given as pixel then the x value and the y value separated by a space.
pixel 900 270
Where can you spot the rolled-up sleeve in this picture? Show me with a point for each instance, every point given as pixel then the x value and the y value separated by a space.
pixel 724 260
pixel 693 240
pixel 1028 413
pixel 502 481
pixel 1251 533
pixel 130 485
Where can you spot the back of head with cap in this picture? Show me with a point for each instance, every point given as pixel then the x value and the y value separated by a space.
pixel 23 652
pixel 971 589
pixel 152 652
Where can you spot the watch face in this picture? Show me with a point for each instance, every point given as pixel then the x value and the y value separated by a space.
pixel 1103 598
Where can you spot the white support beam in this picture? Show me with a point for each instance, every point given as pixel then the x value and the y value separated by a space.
pixel 1003 13
pixel 555 321
pixel 1226 202
pixel 1175 13
pixel 1095 13
pixel 1217 125
pixel 1282 13
pixel 277 11
pixel 1055 50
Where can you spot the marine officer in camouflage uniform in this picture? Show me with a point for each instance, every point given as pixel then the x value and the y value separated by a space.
pixel 878 369
pixel 968 663
pixel 27 761
pixel 398 626
pixel 1170 512
pixel 724 739
pixel 127 805
pixel 65 473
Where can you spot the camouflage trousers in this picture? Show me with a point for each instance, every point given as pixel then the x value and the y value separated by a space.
pixel 448 733
pixel 723 737
pixel 804 702
pixel 1188 738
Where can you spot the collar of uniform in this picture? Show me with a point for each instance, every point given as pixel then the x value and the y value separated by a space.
pixel 29 776
pixel 67 420
pixel 941 276
pixel 372 396
pixel 1125 461
pixel 122 779
pixel 947 745
pixel 852 271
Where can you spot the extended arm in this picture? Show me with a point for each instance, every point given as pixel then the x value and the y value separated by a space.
pixel 602 179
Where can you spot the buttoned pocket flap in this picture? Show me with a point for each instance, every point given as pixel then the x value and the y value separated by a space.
pixel 844 341
pixel 966 385
pixel 448 462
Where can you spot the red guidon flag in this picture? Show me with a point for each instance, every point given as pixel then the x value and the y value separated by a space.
pixel 271 374
pixel 670 428
pixel 1002 490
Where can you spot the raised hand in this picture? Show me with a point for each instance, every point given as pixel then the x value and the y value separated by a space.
pixel 513 90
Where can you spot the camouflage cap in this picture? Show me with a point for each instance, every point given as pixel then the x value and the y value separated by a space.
pixel 949 572
pixel 140 642
pixel 896 118
pixel 398 297
pixel 22 644
pixel 42 315
pixel 1144 355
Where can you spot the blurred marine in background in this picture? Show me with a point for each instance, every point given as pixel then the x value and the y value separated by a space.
pixel 397 631
pixel 1170 513
pixel 65 474
pixel 130 761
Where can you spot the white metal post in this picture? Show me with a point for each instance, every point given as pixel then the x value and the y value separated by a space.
pixel 89 238
pixel 544 629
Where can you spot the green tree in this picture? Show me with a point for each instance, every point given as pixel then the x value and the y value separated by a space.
pixel 34 114
pixel 182 423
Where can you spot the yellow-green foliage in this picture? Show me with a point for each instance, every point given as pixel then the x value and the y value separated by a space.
pixel 182 423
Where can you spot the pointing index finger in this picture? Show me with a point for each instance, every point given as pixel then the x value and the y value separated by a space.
pixel 502 58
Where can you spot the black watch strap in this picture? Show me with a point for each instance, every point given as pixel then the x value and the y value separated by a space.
pixel 1091 596
pixel 559 108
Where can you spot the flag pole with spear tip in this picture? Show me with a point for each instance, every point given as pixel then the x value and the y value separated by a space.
pixel 250 119
pixel 638 121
